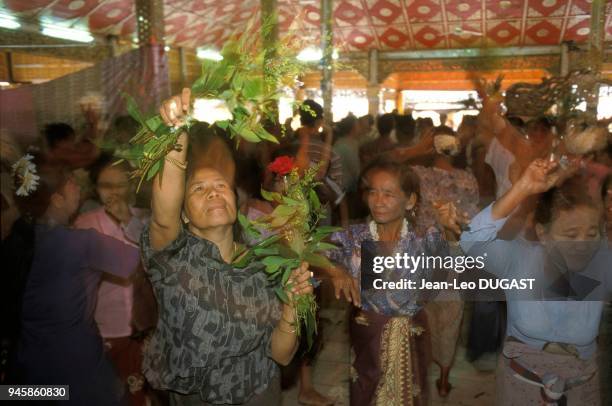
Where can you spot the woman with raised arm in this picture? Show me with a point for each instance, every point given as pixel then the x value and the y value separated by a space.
pixel 549 354
pixel 221 330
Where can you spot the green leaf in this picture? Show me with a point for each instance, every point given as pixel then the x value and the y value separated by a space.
pixel 212 79
pixel 271 196
pixel 154 169
pixel 273 263
pixel 316 260
pixel 283 211
pixel 222 124
pixel 243 261
pixel 265 135
pixel 324 246
pixel 252 88
pixel 226 94
pixel 164 131
pixel 246 133
pixel 291 202
pixel 280 292
pixel 154 122
pixel 132 109
pixel 315 203
pixel 247 226
pixel 275 260
pixel 286 274
pixel 240 113
pixel 287 252
pixel 242 258
pixel 249 135
pixel 150 146
pixel 279 221
pixel 268 241
pixel 327 229
pixel 265 251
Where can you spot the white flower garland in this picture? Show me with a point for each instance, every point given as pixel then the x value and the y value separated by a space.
pixel 374 230
pixel 25 172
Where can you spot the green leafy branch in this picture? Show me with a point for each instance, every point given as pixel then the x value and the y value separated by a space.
pixel 296 237
pixel 248 84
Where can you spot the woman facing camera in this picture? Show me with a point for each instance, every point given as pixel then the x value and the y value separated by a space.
pixel 388 368
pixel 221 330
pixel 549 355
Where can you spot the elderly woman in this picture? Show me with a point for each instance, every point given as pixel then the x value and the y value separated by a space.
pixel 550 351
pixel 221 330
pixel 388 367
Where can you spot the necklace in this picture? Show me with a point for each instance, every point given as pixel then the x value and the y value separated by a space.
pixel 374 230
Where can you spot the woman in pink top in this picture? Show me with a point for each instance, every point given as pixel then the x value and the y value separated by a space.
pixel 114 309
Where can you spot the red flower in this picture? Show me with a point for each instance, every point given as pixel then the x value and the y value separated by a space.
pixel 282 165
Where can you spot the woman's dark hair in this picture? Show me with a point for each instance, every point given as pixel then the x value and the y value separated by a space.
pixel 201 137
pixel 571 194
pixel 310 112
pixel 539 124
pixel 405 126
pixel 57 132
pixel 52 179
pixel 385 124
pixel 517 122
pixel 346 125
pixel 369 118
pixel 249 176
pixel 407 179
pixel 104 161
pixel 125 126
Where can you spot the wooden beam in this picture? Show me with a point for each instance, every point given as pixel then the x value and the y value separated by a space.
pixel 150 22
pixel 11 40
pixel 269 20
pixel 596 50
pixel 327 45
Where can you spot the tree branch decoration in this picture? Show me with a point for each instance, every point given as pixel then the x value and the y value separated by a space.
pixel 249 88
pixel 296 236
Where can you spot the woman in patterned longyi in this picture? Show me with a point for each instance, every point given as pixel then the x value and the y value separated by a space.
pixel 387 326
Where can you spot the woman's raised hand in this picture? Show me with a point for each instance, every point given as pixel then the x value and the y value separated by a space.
pixel 448 216
pixel 174 109
pixel 539 176
pixel 426 143
pixel 299 282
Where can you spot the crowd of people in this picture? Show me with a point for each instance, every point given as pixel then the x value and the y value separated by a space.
pixel 134 299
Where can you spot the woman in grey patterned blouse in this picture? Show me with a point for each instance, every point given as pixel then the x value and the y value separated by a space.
pixel 221 331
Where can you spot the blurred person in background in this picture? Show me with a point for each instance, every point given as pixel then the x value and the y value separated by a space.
pixel 367 130
pixel 385 125
pixel 52 288
pixel 347 148
pixel 445 185
pixel 117 297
